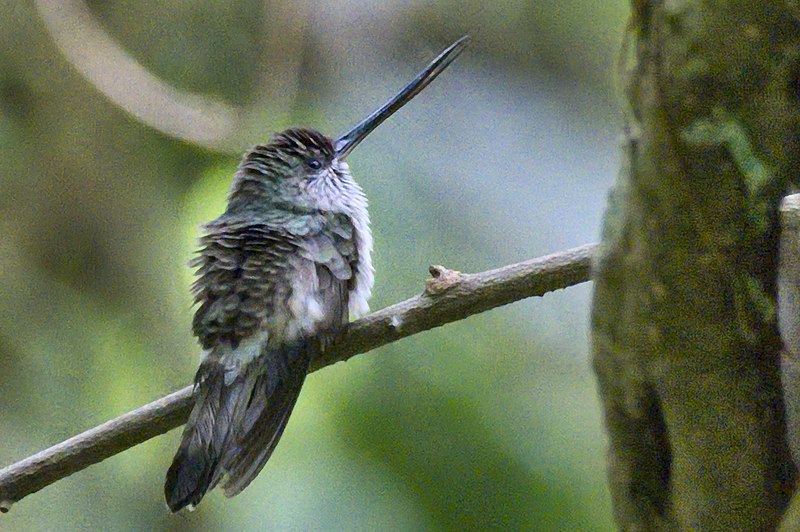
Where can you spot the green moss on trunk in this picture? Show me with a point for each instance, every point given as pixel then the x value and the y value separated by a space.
pixel 686 344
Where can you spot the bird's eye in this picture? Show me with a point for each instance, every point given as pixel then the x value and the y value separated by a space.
pixel 314 164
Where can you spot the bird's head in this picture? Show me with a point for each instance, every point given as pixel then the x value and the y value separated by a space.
pixel 303 170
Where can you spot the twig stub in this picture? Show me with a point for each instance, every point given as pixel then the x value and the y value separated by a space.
pixel 441 279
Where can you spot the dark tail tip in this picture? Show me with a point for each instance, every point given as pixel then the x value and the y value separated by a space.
pixel 188 480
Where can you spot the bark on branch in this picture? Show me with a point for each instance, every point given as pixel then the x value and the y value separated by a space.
pixel 449 296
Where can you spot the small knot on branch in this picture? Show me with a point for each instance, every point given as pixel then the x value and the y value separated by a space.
pixel 396 322
pixel 441 279
pixel 5 506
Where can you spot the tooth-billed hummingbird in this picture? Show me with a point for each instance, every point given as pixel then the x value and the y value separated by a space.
pixel 286 264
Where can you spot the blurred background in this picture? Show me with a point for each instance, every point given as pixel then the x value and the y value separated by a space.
pixel 121 124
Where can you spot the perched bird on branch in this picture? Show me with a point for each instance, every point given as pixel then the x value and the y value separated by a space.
pixel 287 262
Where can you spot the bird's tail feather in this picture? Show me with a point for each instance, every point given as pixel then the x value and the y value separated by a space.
pixel 238 418
pixel 264 418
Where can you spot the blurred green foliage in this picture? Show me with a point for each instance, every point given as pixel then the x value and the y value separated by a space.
pixel 488 423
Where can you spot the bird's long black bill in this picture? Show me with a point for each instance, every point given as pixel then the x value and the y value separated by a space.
pixel 348 141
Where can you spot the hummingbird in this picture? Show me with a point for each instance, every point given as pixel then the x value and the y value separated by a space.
pixel 283 267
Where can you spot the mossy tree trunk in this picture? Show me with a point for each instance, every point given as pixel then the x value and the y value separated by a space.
pixel 685 336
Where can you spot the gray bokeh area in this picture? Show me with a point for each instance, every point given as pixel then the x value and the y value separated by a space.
pixel 489 423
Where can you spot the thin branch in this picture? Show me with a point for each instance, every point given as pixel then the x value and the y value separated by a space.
pixel 449 296
pixel 115 73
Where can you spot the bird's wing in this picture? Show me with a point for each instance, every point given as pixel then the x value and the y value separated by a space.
pixel 239 269
pixel 326 255
pixel 333 252
pixel 242 265
pixel 257 282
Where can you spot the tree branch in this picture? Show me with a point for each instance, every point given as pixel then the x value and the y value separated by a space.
pixel 117 75
pixel 449 296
